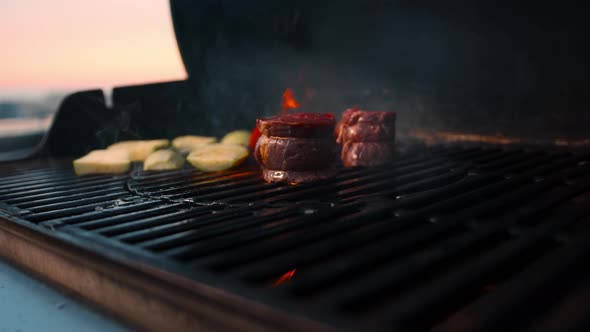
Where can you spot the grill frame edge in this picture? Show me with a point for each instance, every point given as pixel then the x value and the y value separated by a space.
pixel 63 261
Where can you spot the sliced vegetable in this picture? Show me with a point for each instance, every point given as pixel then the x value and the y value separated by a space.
pixel 161 160
pixel 103 162
pixel 240 137
pixel 140 150
pixel 189 143
pixel 217 157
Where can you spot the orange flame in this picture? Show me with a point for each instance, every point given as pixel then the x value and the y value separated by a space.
pixel 286 276
pixel 289 101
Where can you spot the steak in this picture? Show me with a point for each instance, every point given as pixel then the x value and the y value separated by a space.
pixel 296 147
pixel 367 137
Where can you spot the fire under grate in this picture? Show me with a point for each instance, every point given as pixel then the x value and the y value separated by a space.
pixel 445 238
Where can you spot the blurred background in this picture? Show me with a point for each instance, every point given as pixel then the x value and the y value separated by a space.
pixel 52 48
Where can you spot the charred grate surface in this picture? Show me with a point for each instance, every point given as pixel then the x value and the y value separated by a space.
pixel 445 238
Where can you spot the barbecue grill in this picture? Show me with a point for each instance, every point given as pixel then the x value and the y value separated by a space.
pixel 467 230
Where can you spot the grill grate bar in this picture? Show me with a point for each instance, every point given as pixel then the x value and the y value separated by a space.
pixel 120 210
pixel 237 240
pixel 531 163
pixel 316 279
pixel 409 183
pixel 41 187
pixel 87 198
pixel 107 221
pixel 492 177
pixel 492 310
pixel 376 250
pixel 31 175
pixel 465 153
pixel 45 180
pixel 506 160
pixel 457 280
pixel 218 194
pixel 164 176
pixel 167 187
pixel 72 196
pixel 45 176
pixel 152 222
pixel 499 188
pixel 321 230
pixel 399 269
pixel 189 247
pixel 79 209
pixel 259 194
pixel 441 234
pixel 213 192
pixel 210 228
pixel 171 230
pixel 25 196
pixel 381 229
pixel 571 314
pixel 253 190
pixel 500 158
pixel 341 190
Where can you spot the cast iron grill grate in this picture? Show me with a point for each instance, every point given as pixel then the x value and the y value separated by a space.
pixel 445 238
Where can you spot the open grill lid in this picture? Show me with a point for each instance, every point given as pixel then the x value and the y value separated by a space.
pixel 512 68
pixel 507 69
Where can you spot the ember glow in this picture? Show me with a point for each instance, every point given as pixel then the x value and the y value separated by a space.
pixel 289 101
pixel 431 138
pixel 286 276
pixel 573 143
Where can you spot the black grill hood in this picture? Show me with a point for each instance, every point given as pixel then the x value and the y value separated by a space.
pixel 490 67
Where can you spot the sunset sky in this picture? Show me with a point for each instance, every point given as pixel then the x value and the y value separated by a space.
pixel 71 44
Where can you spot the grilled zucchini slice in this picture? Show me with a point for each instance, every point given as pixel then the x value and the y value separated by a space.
pixel 189 143
pixel 161 160
pixel 103 162
pixel 217 157
pixel 140 150
pixel 240 137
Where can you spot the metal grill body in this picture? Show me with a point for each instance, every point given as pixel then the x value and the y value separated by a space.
pixel 445 238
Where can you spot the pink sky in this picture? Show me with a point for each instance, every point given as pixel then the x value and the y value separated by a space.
pixel 73 44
